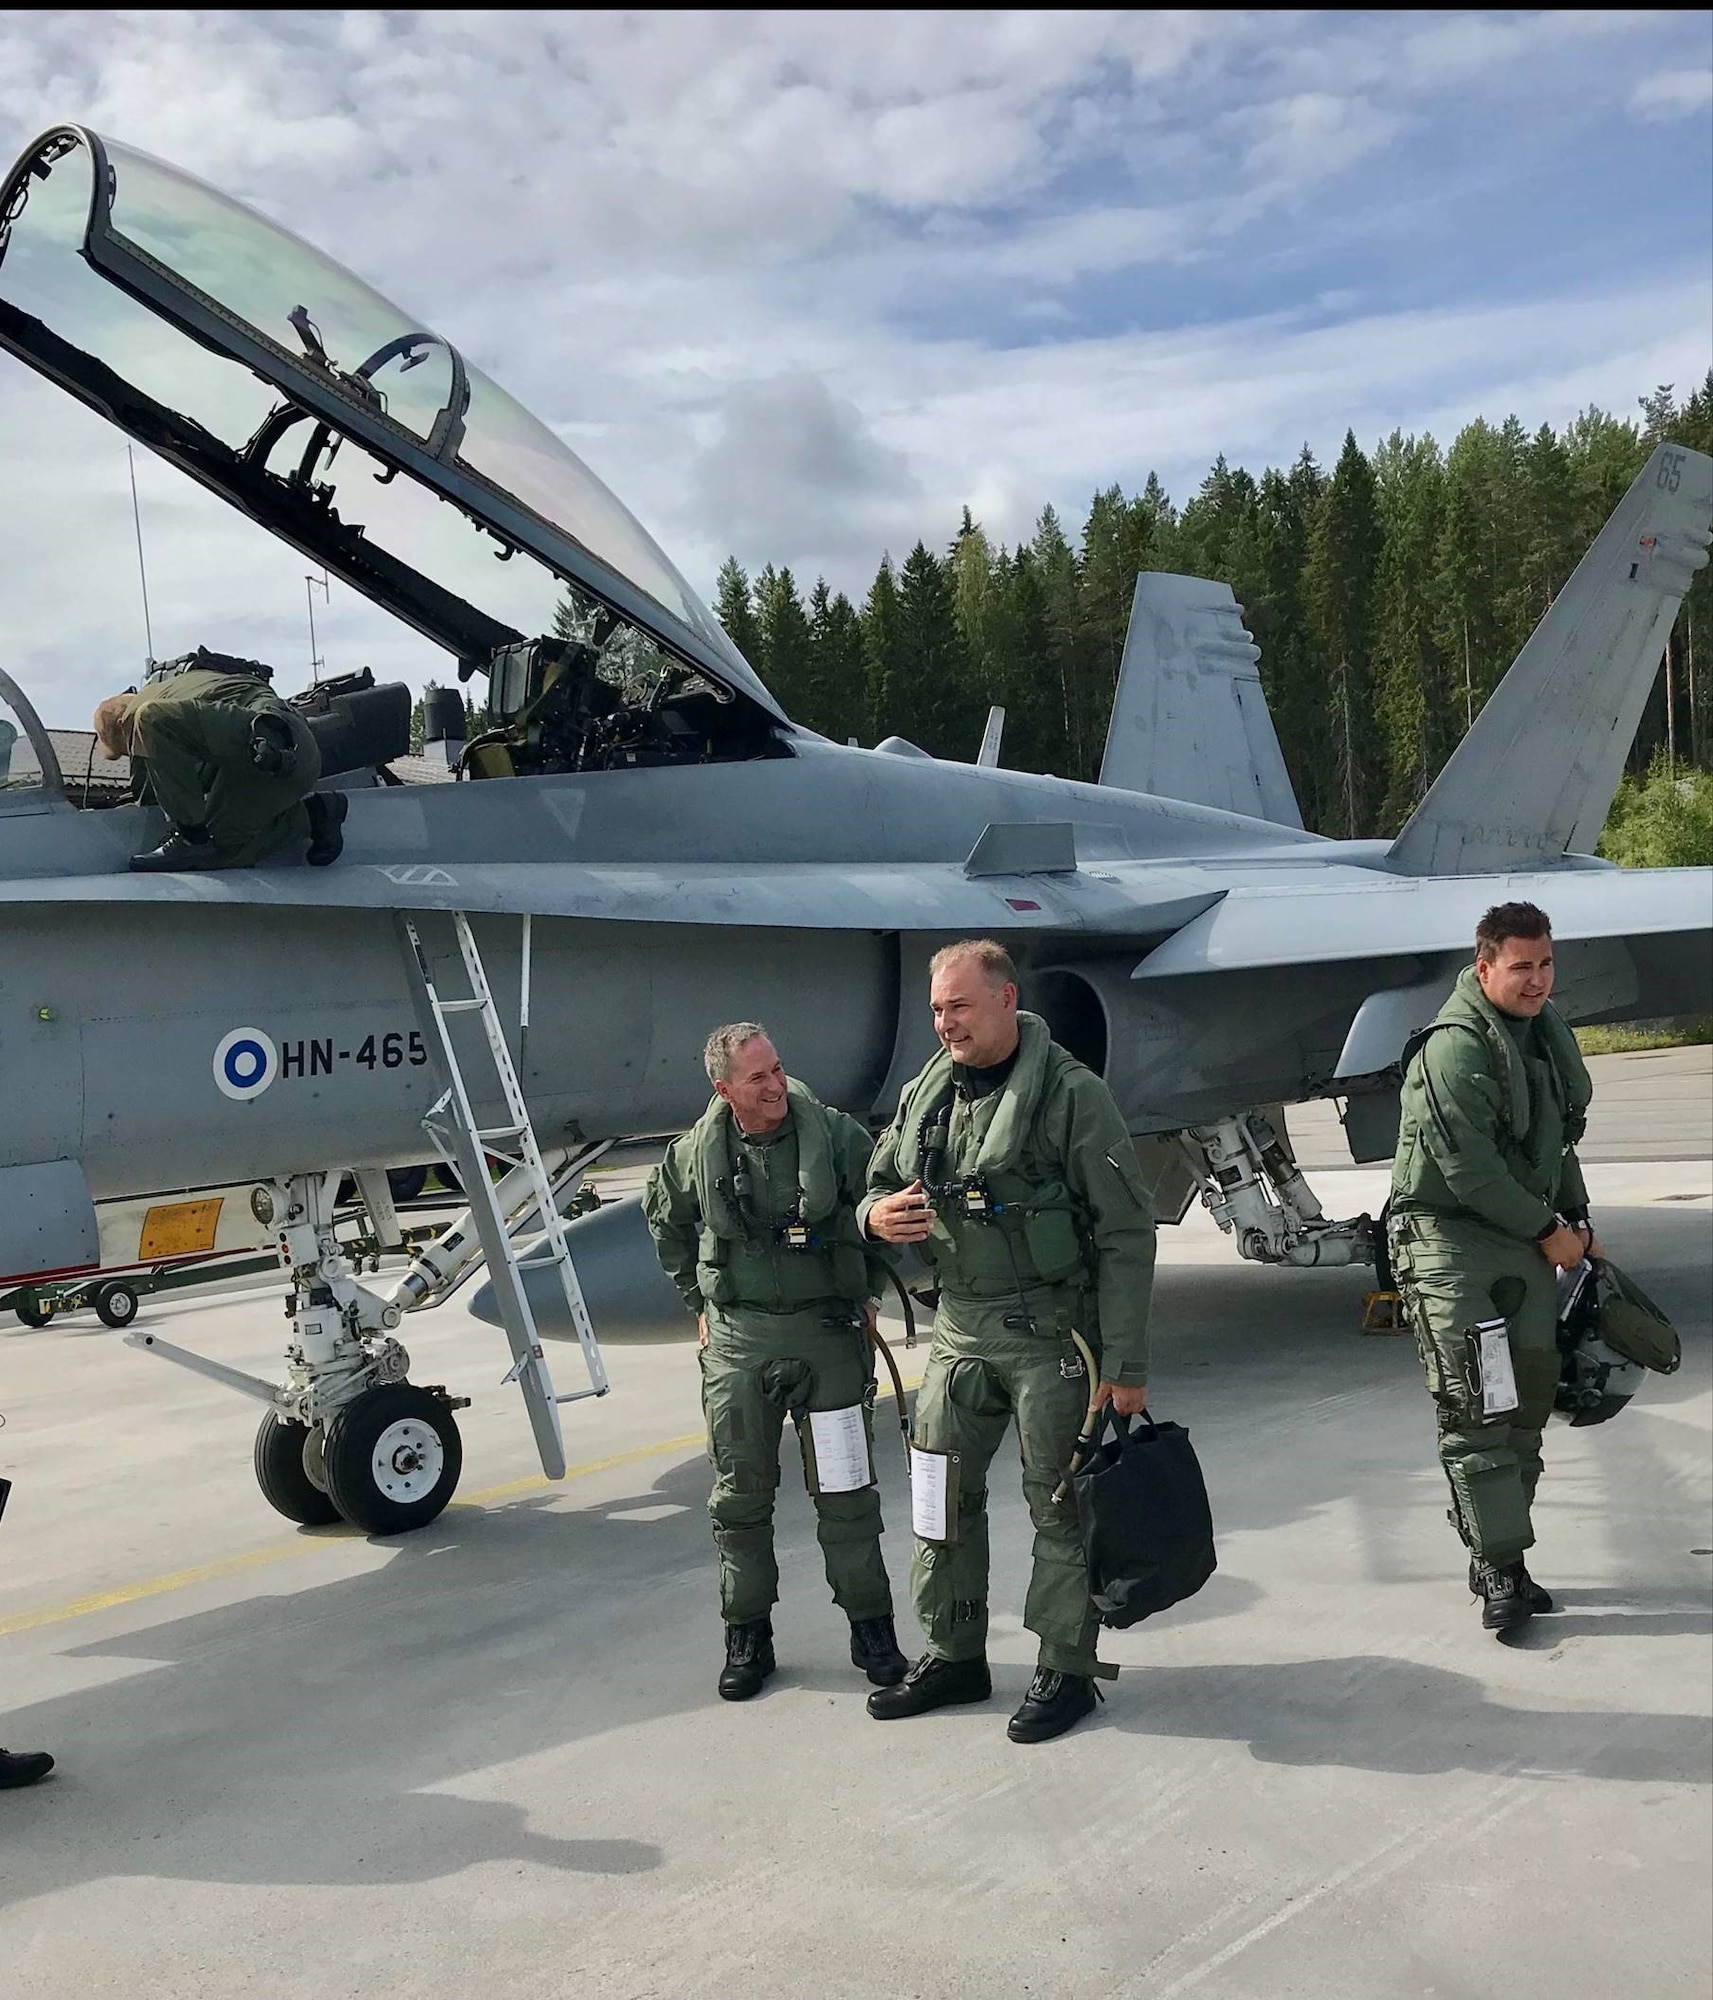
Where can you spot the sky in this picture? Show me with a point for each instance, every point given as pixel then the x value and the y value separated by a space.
pixel 800 287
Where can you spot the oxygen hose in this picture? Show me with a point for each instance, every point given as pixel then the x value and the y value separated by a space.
pixel 1092 1422
pixel 909 1306
pixel 885 1353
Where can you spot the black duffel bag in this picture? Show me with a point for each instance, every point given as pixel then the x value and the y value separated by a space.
pixel 1147 1529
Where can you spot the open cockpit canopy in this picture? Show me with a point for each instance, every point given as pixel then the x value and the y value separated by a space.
pixel 271 374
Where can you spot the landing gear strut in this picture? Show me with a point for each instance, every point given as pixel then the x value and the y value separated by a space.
pixel 345 1435
pixel 372 1447
pixel 1254 1190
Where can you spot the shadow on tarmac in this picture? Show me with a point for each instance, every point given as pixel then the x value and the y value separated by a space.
pixel 1371 1713
pixel 311 1736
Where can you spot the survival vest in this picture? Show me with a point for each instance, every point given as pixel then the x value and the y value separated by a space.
pixel 1034 1236
pixel 1534 1133
pixel 741 1255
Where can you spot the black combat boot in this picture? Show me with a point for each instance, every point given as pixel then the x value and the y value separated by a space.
pixel 1504 1596
pixel 749 1659
pixel 184 848
pixel 327 812
pixel 1055 1702
pixel 874 1648
pixel 23 1767
pixel 931 1683
pixel 1538 1599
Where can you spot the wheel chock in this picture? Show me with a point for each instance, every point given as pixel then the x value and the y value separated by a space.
pixel 1382 1312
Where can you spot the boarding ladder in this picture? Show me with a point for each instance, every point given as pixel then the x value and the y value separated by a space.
pixel 451 1124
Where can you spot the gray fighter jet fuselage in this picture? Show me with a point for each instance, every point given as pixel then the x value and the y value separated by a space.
pixel 645 845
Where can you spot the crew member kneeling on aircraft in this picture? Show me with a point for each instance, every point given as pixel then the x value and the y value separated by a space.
pixel 753 1213
pixel 1488 1204
pixel 231 765
pixel 1010 1164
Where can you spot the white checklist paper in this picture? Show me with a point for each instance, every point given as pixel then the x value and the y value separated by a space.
pixel 1498 1378
pixel 841 1450
pixel 929 1488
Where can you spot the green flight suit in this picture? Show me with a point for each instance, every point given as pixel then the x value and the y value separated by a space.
pixel 192 734
pixel 1486 1164
pixel 1071 1245
pixel 786 1331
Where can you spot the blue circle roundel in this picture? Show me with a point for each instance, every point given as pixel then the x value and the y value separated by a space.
pixel 245 1063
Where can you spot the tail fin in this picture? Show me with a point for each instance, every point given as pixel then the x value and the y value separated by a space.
pixel 1536 775
pixel 1189 720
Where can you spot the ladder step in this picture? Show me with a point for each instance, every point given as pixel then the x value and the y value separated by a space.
pixel 515 1143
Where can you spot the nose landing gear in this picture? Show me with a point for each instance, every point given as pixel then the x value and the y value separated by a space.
pixel 346 1436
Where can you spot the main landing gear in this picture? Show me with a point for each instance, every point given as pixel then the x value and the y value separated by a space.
pixel 1254 1189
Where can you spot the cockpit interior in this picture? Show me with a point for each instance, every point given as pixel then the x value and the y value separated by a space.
pixel 310 403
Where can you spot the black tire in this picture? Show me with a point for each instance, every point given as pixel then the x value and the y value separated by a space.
pixel 116 1303
pixel 33 1313
pixel 406 1182
pixel 392 1459
pixel 286 1487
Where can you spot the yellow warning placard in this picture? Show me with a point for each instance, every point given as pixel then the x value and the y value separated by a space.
pixel 179 1229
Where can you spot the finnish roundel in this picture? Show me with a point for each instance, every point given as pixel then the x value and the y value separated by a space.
pixel 245 1063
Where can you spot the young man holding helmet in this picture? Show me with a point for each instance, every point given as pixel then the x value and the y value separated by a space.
pixel 1488 1205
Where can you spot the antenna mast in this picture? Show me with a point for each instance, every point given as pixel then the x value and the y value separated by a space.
pixel 311 584
pixel 142 567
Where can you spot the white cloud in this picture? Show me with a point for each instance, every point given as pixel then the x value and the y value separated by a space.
pixel 1673 93
pixel 799 284
pixel 1314 135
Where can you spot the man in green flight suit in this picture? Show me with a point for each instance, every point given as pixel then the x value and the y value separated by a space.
pixel 753 1213
pixel 1488 1204
pixel 1010 1165
pixel 231 765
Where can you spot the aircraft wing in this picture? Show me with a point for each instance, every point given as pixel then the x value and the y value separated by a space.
pixel 1354 913
pixel 1137 899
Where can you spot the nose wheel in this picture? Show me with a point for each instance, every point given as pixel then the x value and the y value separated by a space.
pixel 392 1457
pixel 283 1475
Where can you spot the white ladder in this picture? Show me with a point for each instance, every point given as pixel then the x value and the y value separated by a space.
pixel 451 1123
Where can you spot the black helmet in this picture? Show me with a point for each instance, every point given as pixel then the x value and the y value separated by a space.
pixel 1594 1381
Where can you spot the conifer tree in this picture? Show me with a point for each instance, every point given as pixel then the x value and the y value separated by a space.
pixel 1344 552
pixel 733 609
pixel 934 667
pixel 782 655
pixel 882 654
pixel 1055 566
pixel 1276 611
pixel 1409 662
pixel 838 697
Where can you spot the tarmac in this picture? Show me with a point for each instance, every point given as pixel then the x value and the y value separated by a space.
pixel 489 1757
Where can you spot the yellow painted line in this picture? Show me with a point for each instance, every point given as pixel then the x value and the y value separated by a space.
pixel 538 1482
pixel 303 1545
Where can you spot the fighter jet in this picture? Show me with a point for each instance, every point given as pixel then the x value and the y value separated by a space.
pixel 641 843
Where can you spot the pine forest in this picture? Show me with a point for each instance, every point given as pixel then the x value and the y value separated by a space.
pixel 1387 595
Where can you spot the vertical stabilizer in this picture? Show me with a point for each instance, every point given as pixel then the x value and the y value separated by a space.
pixel 1536 775
pixel 1189 720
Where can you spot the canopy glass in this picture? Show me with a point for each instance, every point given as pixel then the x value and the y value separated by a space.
pixel 370 392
